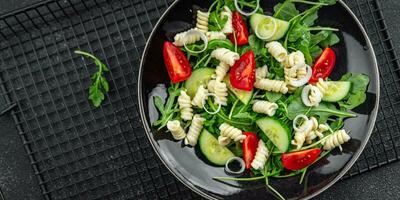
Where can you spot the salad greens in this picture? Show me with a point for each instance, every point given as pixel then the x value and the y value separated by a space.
pixel 246 111
pixel 100 85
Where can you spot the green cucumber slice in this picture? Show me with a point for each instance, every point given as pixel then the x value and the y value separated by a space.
pixel 276 131
pixel 211 149
pixel 337 90
pixel 199 77
pixel 242 95
pixel 268 28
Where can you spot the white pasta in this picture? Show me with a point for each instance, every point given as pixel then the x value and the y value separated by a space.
pixel 228 27
pixel 229 133
pixel 200 96
pixel 271 85
pixel 265 107
pixel 181 38
pixel 202 21
pixel 194 130
pixel 176 130
pixel 307 133
pixel 262 72
pixel 311 135
pixel 321 129
pixel 315 96
pixel 294 58
pixel 215 35
pixel 221 71
pixel 261 156
pixel 220 90
pixel 336 140
pixel 225 55
pixel 277 51
pixel 322 86
pixel 185 106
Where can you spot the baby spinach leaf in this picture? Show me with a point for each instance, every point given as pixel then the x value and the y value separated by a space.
pixel 256 44
pixel 331 40
pixel 359 86
pixel 324 110
pixel 285 11
pixel 273 96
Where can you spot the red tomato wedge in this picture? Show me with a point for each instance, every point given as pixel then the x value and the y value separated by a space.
pixel 300 159
pixel 240 28
pixel 177 64
pixel 243 72
pixel 324 65
pixel 249 147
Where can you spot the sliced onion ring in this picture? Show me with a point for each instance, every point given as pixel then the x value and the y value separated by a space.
pixel 230 171
pixel 305 79
pixel 306 92
pixel 202 36
pixel 246 13
pixel 296 119
pixel 219 105
pixel 273 32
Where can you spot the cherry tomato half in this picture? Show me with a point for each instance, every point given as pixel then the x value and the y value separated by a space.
pixel 324 65
pixel 300 159
pixel 240 28
pixel 249 147
pixel 177 64
pixel 242 74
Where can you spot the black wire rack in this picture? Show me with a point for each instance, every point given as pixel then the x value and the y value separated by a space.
pixel 81 152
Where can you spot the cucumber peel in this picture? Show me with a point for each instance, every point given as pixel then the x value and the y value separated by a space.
pixel 212 150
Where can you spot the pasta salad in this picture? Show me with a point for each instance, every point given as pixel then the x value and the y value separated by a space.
pixel 252 89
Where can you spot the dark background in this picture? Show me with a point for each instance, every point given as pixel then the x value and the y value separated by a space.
pixel 17 180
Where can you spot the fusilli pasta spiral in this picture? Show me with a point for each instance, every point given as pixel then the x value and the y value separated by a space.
pixel 176 130
pixel 185 106
pixel 229 132
pixel 336 140
pixel 220 90
pixel 271 85
pixel 200 96
pixel 221 71
pixel 261 156
pixel 262 72
pixel 322 86
pixel 277 51
pixel 194 130
pixel 225 55
pixel 215 35
pixel 202 21
pixel 265 107
pixel 315 96
pixel 294 58
pixel 306 133
pixel 228 27
pixel 181 38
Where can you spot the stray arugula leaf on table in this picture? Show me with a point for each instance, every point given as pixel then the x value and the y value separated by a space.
pixel 99 86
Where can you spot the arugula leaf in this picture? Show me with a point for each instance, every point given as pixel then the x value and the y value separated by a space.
pixel 297 32
pixel 310 19
pixel 329 2
pixel 315 51
pixel 99 86
pixel 256 44
pixel 285 11
pixel 303 45
pixel 319 37
pixel 357 94
pixel 273 96
pixel 324 110
pixel 159 103
pixel 331 40
pixel 169 109
pixel 215 22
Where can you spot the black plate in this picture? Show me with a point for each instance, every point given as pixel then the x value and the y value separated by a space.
pixel 354 53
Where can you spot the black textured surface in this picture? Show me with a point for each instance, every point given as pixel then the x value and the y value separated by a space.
pixel 113 156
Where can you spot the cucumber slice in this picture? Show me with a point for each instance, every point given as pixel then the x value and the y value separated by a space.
pixel 337 90
pixel 211 149
pixel 265 25
pixel 242 95
pixel 276 131
pixel 198 77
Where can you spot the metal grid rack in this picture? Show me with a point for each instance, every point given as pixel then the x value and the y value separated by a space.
pixel 78 151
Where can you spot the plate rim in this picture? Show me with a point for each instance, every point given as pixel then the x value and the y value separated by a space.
pixel 346 168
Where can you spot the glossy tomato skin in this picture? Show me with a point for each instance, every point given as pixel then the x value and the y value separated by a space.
pixel 177 64
pixel 324 65
pixel 300 159
pixel 242 74
pixel 240 28
pixel 249 147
